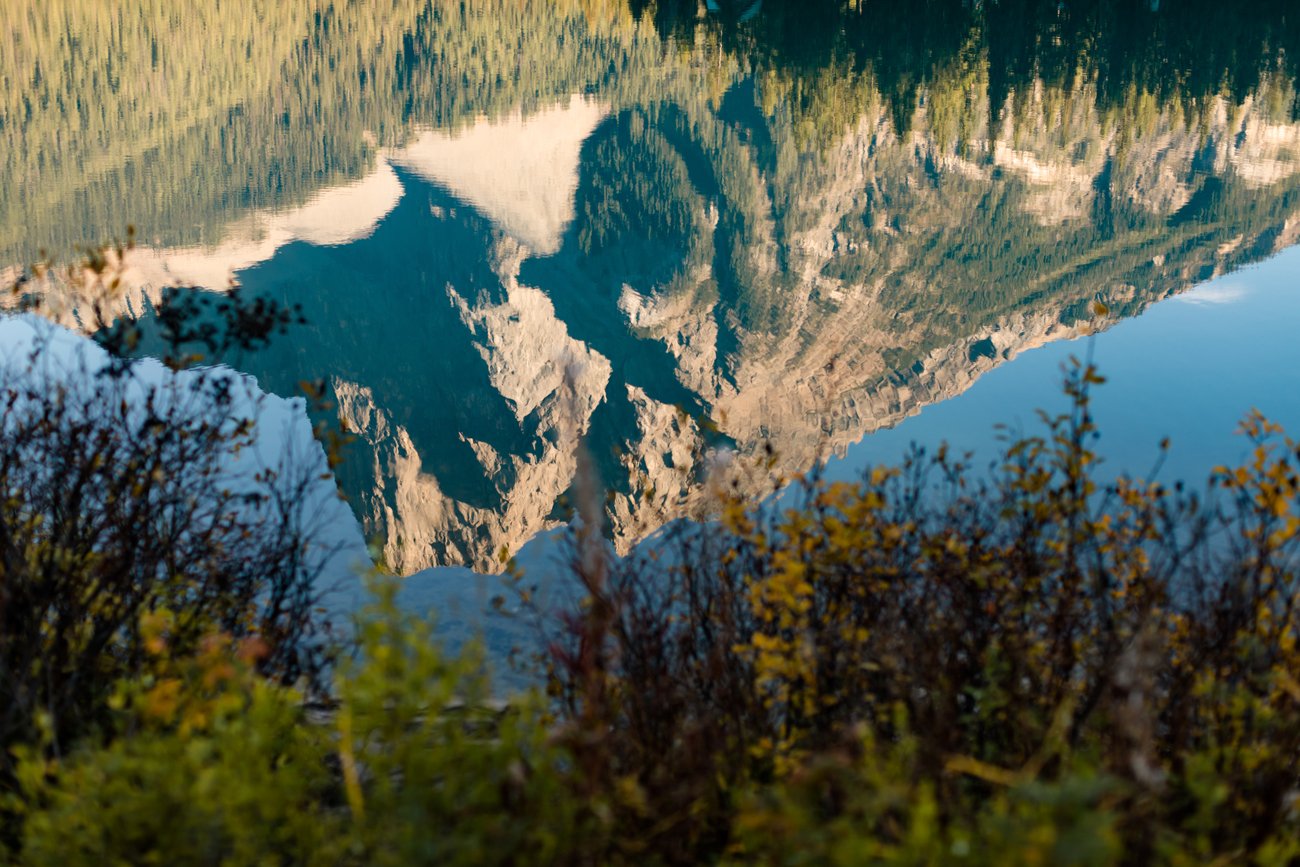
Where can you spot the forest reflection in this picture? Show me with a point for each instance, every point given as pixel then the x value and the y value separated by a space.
pixel 734 224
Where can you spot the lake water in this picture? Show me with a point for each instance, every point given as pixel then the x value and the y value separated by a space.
pixel 670 230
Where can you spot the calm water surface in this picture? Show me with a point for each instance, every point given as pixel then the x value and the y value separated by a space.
pixel 671 229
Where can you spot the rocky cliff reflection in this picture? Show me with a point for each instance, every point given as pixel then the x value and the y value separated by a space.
pixel 696 287
pixel 707 252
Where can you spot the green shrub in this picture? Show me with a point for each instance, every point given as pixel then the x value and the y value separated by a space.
pixel 434 771
pixel 216 765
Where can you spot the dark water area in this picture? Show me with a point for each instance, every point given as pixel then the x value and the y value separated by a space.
pixel 679 230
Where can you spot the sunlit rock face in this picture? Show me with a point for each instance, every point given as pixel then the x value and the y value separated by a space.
pixel 865 218
pixel 544 376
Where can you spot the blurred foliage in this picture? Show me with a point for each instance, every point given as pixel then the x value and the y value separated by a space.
pixel 411 764
pixel 938 664
pixel 929 666
pixel 214 766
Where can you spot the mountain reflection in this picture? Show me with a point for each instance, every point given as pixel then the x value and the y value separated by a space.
pixel 668 229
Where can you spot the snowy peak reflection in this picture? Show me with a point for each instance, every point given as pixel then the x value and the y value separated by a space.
pixel 520 172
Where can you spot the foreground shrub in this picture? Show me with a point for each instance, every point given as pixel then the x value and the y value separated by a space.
pixel 215 765
pixel 930 666
pixel 866 804
pixel 1027 635
pixel 434 771
pixel 131 487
